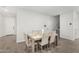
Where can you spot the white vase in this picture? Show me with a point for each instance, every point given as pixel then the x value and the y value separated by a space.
pixel 42 31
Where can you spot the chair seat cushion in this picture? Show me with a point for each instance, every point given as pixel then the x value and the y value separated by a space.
pixel 42 44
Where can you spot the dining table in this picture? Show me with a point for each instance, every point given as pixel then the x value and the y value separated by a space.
pixel 38 38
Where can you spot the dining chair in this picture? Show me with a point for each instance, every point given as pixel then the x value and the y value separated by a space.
pixel 30 43
pixel 44 40
pixel 52 38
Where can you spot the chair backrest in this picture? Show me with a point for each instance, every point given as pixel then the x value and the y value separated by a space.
pixel 53 35
pixel 45 39
pixel 27 40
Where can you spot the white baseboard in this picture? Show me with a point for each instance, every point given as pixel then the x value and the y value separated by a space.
pixel 19 41
pixel 67 38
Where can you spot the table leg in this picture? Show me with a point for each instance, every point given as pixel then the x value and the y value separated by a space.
pixel 33 48
pixel 56 42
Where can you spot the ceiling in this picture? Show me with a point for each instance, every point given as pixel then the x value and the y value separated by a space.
pixel 7 11
pixel 49 10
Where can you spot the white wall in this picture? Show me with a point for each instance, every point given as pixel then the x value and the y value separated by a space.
pixel 28 21
pixel 66 30
pixel 76 25
pixel 69 31
pixel 1 26
pixel 6 25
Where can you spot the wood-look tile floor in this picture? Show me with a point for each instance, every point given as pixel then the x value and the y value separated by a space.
pixel 8 45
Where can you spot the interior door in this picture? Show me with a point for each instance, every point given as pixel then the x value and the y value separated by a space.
pixel 58 26
pixel 9 25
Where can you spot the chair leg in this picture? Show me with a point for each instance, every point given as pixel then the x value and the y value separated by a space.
pixel 41 48
pixel 26 48
pixel 36 47
pixel 54 45
pixel 47 46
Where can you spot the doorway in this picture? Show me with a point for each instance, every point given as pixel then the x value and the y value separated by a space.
pixel 10 25
pixel 58 26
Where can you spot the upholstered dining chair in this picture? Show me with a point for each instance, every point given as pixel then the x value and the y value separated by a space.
pixel 44 40
pixel 29 42
pixel 52 38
